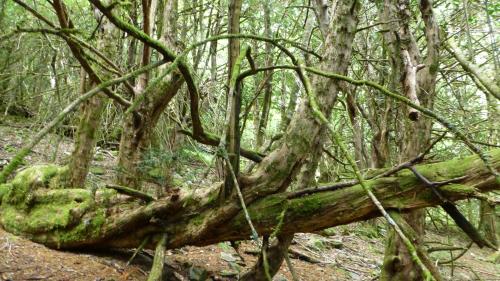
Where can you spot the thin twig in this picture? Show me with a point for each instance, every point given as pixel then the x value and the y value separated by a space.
pixel 291 268
pixel 141 246
pixel 131 192
pixel 255 235
pixel 158 261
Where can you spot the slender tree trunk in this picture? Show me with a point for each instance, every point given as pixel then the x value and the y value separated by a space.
pixel 233 135
pixel 489 222
pixel 90 117
pixel 381 109
pixel 268 76
pixel 357 129
pixel 488 216
pixel 398 264
pixel 85 139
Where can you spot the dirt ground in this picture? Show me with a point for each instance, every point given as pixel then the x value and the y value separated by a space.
pixel 359 258
pixel 353 252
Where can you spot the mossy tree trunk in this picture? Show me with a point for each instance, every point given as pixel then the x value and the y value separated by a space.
pixel 138 130
pixel 489 219
pixel 338 44
pixel 233 101
pixel 268 77
pixel 34 206
pixel 85 139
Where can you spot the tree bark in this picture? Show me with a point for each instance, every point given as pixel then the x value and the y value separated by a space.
pixel 85 139
pixel 275 253
pixel 138 127
pixel 268 76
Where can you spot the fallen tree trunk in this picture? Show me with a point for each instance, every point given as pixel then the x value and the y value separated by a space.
pixel 35 206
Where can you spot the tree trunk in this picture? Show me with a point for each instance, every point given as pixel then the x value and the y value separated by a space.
pixel 398 264
pixel 233 128
pixel 138 130
pixel 275 253
pixel 91 112
pixel 489 221
pixel 69 218
pixel 357 127
pixel 268 76
pixel 85 139
pixel 138 126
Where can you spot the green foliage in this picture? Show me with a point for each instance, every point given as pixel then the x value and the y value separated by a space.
pixel 163 166
pixel 370 230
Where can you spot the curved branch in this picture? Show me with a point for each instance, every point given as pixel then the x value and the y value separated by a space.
pixel 213 140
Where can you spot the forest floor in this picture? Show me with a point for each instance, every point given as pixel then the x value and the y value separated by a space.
pixel 351 252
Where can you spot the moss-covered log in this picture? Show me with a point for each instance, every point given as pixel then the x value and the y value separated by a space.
pixel 34 205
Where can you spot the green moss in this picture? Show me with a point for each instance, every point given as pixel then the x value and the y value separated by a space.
pixel 198 220
pixel 308 205
pixel 104 196
pixel 97 170
pixel 31 208
pixel 13 164
pixel 458 188
pixel 87 228
pixel 212 197
pixel 49 213
pixel 29 180
pixel 4 188
pixel 281 219
pixel 60 179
